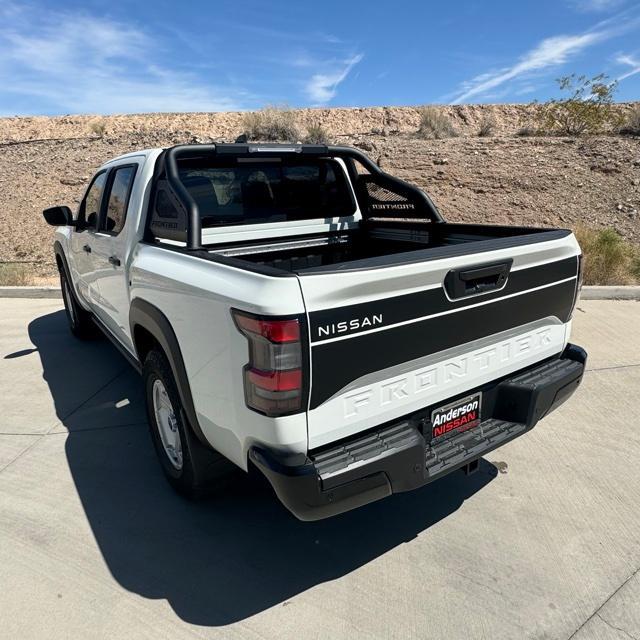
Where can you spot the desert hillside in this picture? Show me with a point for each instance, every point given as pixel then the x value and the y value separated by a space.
pixel 503 178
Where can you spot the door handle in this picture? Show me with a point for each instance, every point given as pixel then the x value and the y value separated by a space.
pixel 86 248
pixel 114 261
pixel 459 283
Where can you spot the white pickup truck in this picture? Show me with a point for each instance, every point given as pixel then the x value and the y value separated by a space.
pixel 297 309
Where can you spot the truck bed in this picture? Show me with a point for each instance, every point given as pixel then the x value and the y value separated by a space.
pixel 381 243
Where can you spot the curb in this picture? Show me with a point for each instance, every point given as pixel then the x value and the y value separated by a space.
pixel 631 292
pixel 30 292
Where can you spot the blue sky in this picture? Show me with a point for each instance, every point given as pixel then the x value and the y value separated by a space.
pixel 128 56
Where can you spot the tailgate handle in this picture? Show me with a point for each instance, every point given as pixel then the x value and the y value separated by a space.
pixel 459 283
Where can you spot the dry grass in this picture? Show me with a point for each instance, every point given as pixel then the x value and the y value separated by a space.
pixel 98 127
pixel 317 134
pixel 435 125
pixel 608 258
pixel 15 275
pixel 527 132
pixel 271 124
pixel 487 127
pixel 631 124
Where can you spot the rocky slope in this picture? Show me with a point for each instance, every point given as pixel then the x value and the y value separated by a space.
pixel 592 181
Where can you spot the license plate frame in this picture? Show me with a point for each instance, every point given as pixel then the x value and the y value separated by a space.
pixel 456 417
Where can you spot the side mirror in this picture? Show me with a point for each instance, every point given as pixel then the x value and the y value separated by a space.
pixel 58 216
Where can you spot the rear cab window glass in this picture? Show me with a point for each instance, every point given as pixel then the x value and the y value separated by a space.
pixel 118 200
pixel 89 212
pixel 251 191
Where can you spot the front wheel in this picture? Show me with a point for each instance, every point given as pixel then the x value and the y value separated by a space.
pixel 187 464
pixel 79 319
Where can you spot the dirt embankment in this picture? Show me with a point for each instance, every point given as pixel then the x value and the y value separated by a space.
pixel 592 181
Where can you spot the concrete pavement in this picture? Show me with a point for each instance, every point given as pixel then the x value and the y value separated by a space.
pixel 543 542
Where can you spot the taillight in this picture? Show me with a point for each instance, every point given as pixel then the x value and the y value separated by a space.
pixel 580 274
pixel 576 295
pixel 273 378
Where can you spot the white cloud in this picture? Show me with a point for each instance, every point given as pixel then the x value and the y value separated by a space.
pixel 322 87
pixel 550 52
pixel 525 89
pixel 596 5
pixel 73 41
pixel 630 61
pixel 78 63
pixel 58 61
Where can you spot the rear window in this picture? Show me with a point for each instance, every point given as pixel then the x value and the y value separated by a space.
pixel 251 192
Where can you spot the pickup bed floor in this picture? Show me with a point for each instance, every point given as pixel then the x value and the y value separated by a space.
pixel 368 243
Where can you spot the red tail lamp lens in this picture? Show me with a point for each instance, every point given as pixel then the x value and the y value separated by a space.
pixel 272 330
pixel 276 380
pixel 273 377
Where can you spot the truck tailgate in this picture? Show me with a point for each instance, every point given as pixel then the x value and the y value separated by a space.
pixel 389 340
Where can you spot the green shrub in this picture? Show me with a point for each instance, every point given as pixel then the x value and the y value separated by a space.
pixel 14 275
pixel 272 124
pixel 435 124
pixel 608 258
pixel 631 124
pixel 587 109
pixel 317 134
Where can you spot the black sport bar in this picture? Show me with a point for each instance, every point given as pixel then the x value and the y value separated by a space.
pixel 193 151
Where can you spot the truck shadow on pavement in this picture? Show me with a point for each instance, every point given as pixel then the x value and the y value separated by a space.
pixel 229 556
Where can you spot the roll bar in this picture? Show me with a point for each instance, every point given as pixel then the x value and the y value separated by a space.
pixel 173 155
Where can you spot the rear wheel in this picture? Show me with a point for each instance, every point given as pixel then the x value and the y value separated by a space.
pixel 167 424
pixel 80 322
pixel 187 464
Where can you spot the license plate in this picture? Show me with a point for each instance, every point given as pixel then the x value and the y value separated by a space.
pixel 457 416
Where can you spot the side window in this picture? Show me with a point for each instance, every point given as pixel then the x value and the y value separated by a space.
pixel 118 200
pixel 89 211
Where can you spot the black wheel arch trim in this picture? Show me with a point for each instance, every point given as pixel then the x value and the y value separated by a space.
pixel 147 316
pixel 59 252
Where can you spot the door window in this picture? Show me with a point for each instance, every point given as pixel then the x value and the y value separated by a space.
pixel 89 212
pixel 118 199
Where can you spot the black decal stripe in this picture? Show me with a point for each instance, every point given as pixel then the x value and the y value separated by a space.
pixel 336 364
pixel 415 305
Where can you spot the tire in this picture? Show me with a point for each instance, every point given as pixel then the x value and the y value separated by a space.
pixel 80 322
pixel 190 467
